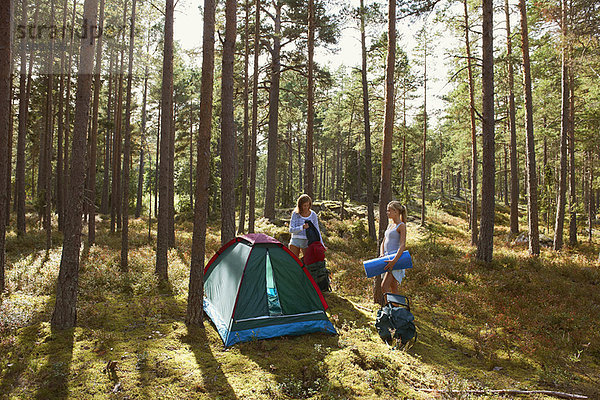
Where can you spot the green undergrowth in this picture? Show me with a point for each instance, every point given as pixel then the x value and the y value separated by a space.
pixel 519 322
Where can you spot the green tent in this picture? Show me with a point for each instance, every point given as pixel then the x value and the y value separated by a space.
pixel 255 288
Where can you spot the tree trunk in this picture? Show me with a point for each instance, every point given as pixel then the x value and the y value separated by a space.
pixel 228 127
pixel 6 36
pixel 485 247
pixel 571 150
pixel 246 155
pixel 162 240
pixel 532 190
pixel 474 155
pixel 22 135
pixel 127 150
pixel 191 155
pixel 366 118
pixel 94 136
pixel 269 211
pixel 385 191
pixel 171 218
pixel 253 145
pixel 308 169
pixel 115 195
pixel 107 141
pixel 424 154
pixel 514 170
pixel 196 288
pixel 65 310
pixel 140 186
pixel 564 128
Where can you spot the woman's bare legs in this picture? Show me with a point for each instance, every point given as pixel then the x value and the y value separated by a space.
pixel 295 250
pixel 389 284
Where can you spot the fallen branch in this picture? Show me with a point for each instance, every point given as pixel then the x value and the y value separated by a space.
pixel 362 307
pixel 560 395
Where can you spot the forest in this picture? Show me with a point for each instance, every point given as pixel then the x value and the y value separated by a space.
pixel 128 158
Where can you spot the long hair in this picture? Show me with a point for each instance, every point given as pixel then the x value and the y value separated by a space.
pixel 396 205
pixel 301 200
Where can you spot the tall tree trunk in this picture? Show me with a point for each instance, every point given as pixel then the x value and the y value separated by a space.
pixel 269 211
pixel 571 150
pixel 94 135
pixel 6 36
pixel 485 247
pixel 65 310
pixel 196 288
pixel 366 118
pixel 140 186
pixel 385 191
pixel 156 163
pixel 308 169
pixel 424 149
pixel 22 135
pixel 532 190
pixel 474 155
pixel 564 129
pixel 191 156
pixel 67 132
pixel 591 205
pixel 253 145
pixel 228 127
pixel 48 140
pixel 115 196
pixel 514 169
pixel 162 240
pixel 107 141
pixel 245 157
pixel 127 150
pixel 171 219
pixel 60 191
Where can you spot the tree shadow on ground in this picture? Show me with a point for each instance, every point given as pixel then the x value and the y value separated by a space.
pixel 54 376
pixel 20 358
pixel 214 381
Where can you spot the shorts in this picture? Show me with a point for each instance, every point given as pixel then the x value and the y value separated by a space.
pixel 398 275
pixel 299 242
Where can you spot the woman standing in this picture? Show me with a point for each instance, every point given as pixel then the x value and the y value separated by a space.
pixel 298 224
pixel 394 242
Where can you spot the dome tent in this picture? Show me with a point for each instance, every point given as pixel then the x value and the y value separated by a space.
pixel 255 288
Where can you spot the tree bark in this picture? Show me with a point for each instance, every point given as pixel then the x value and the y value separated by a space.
pixel 571 150
pixel 485 247
pixel 514 170
pixel 532 190
pixel 366 118
pixel 564 128
pixel 196 287
pixel 474 154
pixel 385 191
pixel 140 186
pixel 308 169
pixel 269 211
pixel 246 155
pixel 228 127
pixel 94 136
pixel 22 135
pixel 6 36
pixel 253 144
pixel 127 150
pixel 65 310
pixel 162 240
pixel 424 149
pixel 107 141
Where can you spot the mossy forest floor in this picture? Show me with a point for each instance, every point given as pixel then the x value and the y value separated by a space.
pixel 520 322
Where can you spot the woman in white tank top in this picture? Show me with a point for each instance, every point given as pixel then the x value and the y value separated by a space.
pixel 394 242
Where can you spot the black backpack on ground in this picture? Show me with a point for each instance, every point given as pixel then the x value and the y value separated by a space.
pixel 395 321
pixel 320 274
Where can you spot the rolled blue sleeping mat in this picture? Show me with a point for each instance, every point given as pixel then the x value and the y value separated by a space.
pixel 376 266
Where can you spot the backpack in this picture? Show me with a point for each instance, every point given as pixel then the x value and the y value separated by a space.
pixel 320 274
pixel 395 321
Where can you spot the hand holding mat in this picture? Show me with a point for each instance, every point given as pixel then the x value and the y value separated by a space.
pixel 376 266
